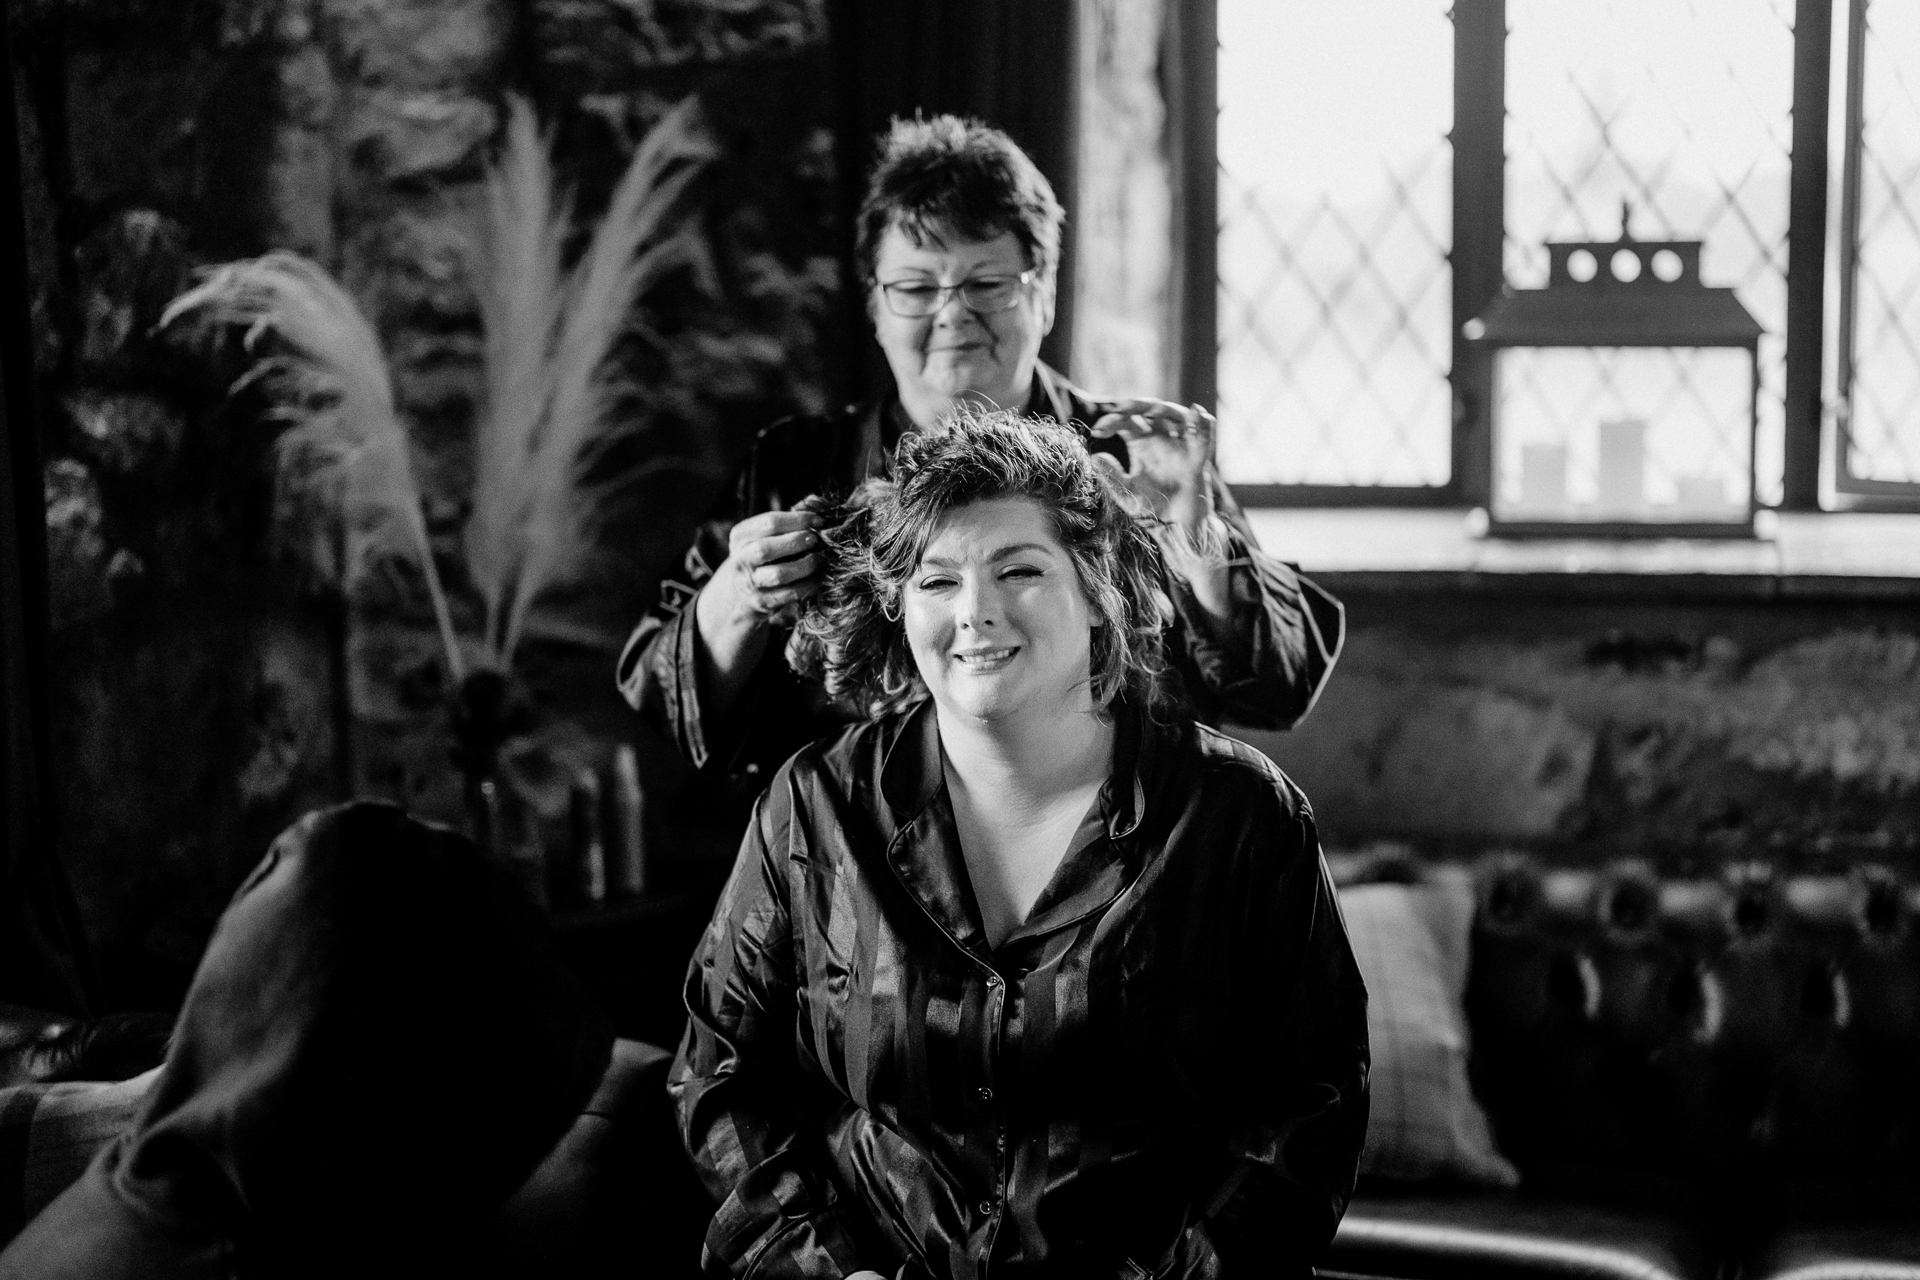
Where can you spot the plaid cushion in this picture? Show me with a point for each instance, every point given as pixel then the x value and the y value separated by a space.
pixel 1411 942
pixel 50 1132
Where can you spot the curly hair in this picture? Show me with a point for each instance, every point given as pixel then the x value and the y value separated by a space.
pixel 851 634
pixel 958 175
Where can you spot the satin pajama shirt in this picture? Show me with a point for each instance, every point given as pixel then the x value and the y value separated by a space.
pixel 1162 1072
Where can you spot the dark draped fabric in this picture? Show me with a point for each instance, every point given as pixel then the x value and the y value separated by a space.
pixel 1011 63
pixel 381 1043
pixel 40 957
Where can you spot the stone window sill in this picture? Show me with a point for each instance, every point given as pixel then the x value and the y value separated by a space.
pixel 1850 555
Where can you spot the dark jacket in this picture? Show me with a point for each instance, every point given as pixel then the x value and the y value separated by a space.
pixel 1163 1071
pixel 381 1043
pixel 1287 630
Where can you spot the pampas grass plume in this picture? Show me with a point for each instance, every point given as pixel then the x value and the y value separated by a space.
pixel 328 374
pixel 553 392
pixel 561 505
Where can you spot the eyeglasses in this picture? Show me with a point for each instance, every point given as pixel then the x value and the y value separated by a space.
pixel 917 299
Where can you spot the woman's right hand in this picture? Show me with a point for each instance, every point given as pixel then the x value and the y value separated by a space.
pixel 773 561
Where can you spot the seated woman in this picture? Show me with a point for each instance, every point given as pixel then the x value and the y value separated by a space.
pixel 1029 971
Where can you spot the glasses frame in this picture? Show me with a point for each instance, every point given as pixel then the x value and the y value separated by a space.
pixel 1021 280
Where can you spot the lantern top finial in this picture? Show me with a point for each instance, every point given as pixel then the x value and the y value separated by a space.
pixel 1618 293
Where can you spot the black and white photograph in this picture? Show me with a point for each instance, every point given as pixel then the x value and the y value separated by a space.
pixel 960 639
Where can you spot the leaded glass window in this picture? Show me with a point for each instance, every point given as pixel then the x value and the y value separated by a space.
pixel 1335 211
pixel 1881 436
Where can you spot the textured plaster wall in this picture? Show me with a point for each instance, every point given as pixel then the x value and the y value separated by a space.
pixel 1650 727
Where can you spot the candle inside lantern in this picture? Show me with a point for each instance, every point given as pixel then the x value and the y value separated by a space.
pixel 1623 466
pixel 1699 493
pixel 1543 477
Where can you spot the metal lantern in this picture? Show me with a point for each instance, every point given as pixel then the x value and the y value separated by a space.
pixel 1625 396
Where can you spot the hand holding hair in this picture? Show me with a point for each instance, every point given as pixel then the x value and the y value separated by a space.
pixel 1170 448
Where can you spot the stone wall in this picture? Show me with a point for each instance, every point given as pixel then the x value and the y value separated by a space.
pixel 418 86
pixel 194 701
pixel 1123 232
pixel 1653 726
pixel 207 688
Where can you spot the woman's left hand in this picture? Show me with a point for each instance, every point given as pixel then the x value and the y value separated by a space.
pixel 1171 448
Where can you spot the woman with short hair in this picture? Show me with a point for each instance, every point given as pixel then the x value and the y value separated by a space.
pixel 958 247
pixel 1028 972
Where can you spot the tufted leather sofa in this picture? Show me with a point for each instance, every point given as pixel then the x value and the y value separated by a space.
pixel 1703 1071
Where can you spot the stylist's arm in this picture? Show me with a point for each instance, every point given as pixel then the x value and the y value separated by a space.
pixel 772 562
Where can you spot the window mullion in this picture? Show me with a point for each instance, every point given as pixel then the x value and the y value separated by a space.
pixel 1479 204
pixel 1849 214
pixel 1193 107
pixel 1806 249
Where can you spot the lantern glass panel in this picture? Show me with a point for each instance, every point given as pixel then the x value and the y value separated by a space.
pixel 1630 434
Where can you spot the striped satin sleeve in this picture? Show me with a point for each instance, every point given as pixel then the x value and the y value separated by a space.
pixel 779 1213
pixel 1303 1079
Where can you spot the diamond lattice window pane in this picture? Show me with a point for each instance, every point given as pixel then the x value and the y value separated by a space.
pixel 1335 218
pixel 1884 426
pixel 1686 112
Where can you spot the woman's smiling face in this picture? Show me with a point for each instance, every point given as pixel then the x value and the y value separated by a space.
pixel 995 614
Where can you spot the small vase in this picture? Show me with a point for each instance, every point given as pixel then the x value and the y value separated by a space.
pixel 483 814
pixel 508 834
